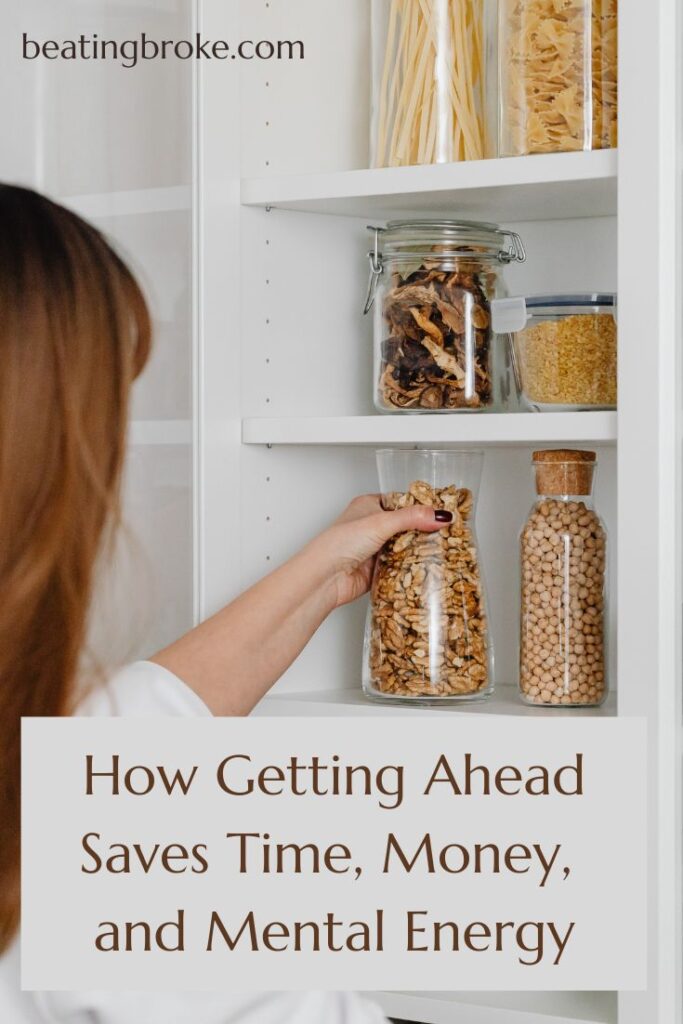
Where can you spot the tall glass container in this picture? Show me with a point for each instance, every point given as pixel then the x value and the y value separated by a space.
pixel 428 82
pixel 563 558
pixel 427 637
pixel 557 71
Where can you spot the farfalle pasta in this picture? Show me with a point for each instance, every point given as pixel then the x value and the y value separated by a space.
pixel 558 75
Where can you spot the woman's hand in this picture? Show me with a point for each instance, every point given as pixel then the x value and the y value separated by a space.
pixel 233 658
pixel 349 546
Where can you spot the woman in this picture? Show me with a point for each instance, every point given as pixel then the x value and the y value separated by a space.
pixel 74 334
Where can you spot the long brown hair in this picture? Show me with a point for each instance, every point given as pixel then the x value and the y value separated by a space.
pixel 74 333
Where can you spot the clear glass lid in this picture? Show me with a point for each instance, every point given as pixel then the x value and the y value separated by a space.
pixel 430 238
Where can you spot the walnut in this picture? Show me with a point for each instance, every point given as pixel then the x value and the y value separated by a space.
pixel 428 630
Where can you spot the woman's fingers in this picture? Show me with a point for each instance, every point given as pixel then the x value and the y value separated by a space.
pixel 362 530
pixel 362 538
pixel 362 506
pixel 384 525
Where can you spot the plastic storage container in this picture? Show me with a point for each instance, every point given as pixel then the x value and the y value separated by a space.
pixel 563 558
pixel 432 283
pixel 427 636
pixel 557 71
pixel 428 82
pixel 564 349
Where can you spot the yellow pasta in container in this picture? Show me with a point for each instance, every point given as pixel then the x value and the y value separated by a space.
pixel 564 349
pixel 558 75
pixel 428 69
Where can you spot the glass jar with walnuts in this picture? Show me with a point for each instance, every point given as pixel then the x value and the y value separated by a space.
pixel 427 638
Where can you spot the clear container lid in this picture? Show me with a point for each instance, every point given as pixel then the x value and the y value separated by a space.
pixel 430 238
pixel 562 303
pixel 511 314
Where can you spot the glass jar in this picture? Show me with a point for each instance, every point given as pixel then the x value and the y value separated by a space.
pixel 557 69
pixel 428 82
pixel 432 283
pixel 564 349
pixel 563 660
pixel 427 638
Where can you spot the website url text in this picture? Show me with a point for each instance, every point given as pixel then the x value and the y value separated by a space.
pixel 129 52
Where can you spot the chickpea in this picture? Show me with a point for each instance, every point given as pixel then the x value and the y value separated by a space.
pixel 563 560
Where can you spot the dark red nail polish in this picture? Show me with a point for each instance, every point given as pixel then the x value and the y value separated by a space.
pixel 442 516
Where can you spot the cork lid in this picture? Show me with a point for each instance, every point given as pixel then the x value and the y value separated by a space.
pixel 564 471
pixel 563 455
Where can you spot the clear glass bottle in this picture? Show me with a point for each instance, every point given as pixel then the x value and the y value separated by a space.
pixel 428 82
pixel 557 69
pixel 432 284
pixel 563 656
pixel 427 638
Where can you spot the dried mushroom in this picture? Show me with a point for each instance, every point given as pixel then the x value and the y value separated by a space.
pixel 428 633
pixel 438 351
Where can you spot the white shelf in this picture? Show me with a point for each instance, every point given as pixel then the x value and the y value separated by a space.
pixel 458 429
pixel 147 432
pixel 132 203
pixel 542 187
pixel 351 702
pixel 500 1007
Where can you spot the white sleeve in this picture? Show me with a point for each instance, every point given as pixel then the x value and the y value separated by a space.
pixel 143 690
pixel 208 1008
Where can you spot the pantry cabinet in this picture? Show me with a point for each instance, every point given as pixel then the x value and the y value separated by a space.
pixel 241 192
pixel 287 426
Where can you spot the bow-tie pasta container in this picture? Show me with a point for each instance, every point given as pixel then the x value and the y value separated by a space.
pixel 557 70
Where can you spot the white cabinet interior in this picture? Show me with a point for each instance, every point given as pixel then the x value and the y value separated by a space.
pixel 292 259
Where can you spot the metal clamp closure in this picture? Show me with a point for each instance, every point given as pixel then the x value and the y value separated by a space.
pixel 376 268
pixel 515 251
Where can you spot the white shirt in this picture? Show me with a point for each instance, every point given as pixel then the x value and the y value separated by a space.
pixel 142 690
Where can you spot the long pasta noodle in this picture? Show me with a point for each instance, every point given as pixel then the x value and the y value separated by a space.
pixel 431 85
